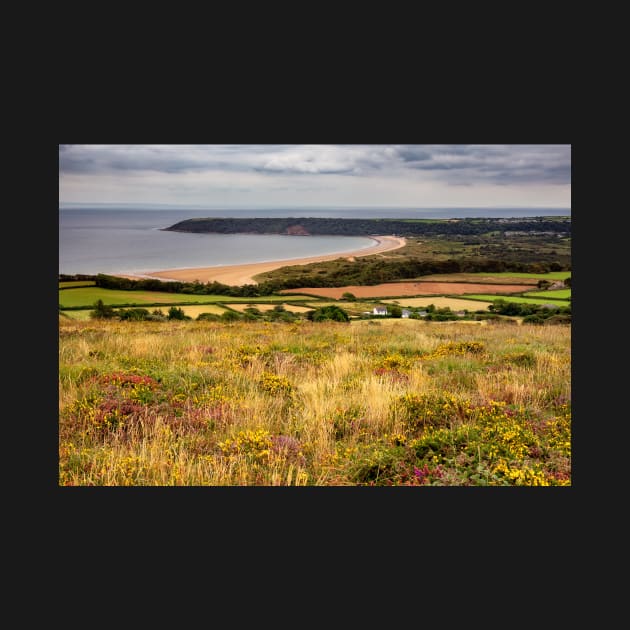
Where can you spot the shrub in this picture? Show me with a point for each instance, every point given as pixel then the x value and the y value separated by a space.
pixel 135 314
pixel 208 317
pixel 558 319
pixel 177 313
pixel 229 316
pixel 102 311
pixel 533 319
pixel 332 312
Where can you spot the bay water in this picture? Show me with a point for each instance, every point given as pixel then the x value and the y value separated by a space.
pixel 132 240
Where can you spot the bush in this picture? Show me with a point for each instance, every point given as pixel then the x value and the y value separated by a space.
pixel 229 316
pixel 135 314
pixel 208 317
pixel 325 313
pixel 533 319
pixel 102 311
pixel 177 313
pixel 558 319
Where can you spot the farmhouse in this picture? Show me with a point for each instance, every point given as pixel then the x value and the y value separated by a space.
pixel 405 312
pixel 379 310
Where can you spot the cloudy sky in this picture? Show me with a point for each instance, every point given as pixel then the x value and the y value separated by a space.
pixel 336 175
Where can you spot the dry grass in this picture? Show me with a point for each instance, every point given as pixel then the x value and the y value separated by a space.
pixel 260 403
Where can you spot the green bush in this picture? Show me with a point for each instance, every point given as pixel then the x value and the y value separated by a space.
pixel 177 313
pixel 102 311
pixel 332 312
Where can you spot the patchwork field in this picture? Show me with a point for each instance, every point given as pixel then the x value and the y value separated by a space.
pixel 562 294
pixel 82 315
pixel 353 308
pixel 268 307
pixel 454 304
pixel 87 296
pixel 395 289
pixel 521 300
pixel 192 310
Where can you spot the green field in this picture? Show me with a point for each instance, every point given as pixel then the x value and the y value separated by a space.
pixel 519 300
pixel 87 296
pixel 562 294
pixel 82 315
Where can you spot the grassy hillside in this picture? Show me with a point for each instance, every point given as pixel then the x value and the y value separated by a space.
pixel 330 404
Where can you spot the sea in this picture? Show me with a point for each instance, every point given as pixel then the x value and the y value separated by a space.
pixel 132 240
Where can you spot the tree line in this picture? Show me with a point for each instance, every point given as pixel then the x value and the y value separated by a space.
pixel 369 227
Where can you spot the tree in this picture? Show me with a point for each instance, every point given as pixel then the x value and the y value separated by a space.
pixel 176 313
pixel 102 311
pixel 351 297
pixel 395 311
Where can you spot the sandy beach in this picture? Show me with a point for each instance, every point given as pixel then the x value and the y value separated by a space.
pixel 237 275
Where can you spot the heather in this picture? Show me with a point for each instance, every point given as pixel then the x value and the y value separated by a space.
pixel 322 403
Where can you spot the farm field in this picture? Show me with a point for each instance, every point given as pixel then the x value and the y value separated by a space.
pixel 553 293
pixel 113 297
pixel 406 321
pixel 455 304
pixel 268 307
pixel 83 314
pixel 353 308
pixel 192 310
pixel 370 403
pixel 520 300
pixel 396 289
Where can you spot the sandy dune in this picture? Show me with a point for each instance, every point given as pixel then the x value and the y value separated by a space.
pixel 237 275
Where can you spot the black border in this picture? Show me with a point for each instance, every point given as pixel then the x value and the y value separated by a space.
pixel 398 116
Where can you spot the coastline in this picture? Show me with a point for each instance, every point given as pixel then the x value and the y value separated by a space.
pixel 237 275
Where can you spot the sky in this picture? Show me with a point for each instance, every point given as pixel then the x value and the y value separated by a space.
pixel 317 175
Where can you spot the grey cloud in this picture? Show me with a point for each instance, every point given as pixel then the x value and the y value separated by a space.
pixel 450 164
pixel 497 164
pixel 79 159
pixel 100 159
pixel 413 154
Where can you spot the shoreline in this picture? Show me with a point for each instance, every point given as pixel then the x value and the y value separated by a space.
pixel 238 275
